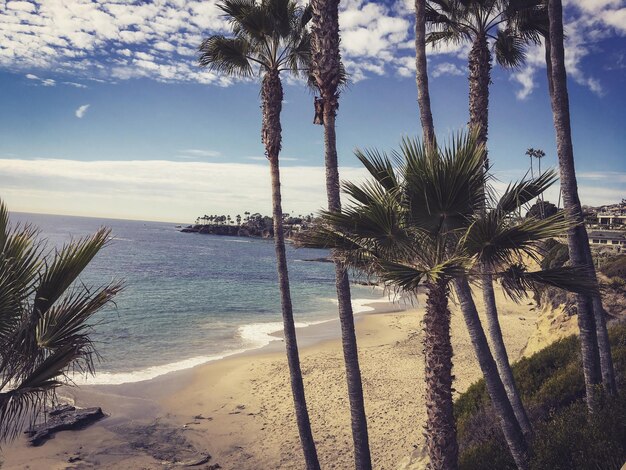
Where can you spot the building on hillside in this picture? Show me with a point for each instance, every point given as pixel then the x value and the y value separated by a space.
pixel 608 238
pixel 607 218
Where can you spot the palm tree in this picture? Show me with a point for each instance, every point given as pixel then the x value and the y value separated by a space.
pixel 269 38
pixel 595 347
pixel 44 320
pixel 327 75
pixel 480 22
pixel 510 25
pixel 420 223
pixel 530 153
pixel 421 73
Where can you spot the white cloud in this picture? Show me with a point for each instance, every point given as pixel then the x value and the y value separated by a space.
pixel 447 68
pixel 80 112
pixel 121 40
pixel 158 190
pixel 42 81
pixel 524 77
pixel 179 191
pixel 75 85
pixel 199 153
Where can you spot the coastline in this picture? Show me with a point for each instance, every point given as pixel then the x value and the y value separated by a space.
pixel 239 409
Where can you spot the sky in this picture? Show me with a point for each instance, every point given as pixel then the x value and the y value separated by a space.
pixel 105 112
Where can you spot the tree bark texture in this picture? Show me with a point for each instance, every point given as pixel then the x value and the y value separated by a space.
pixel 501 356
pixel 577 239
pixel 421 74
pixel 272 97
pixel 479 63
pixel 499 399
pixel 440 424
pixel 326 70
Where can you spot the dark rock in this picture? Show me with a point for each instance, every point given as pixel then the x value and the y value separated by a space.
pixel 163 442
pixel 57 410
pixel 63 418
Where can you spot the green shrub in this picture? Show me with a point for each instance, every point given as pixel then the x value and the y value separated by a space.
pixel 573 440
pixel 552 387
pixel 615 268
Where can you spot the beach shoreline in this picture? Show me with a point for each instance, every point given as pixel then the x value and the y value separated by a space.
pixel 240 411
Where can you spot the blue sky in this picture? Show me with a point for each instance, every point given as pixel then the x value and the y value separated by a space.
pixel 105 113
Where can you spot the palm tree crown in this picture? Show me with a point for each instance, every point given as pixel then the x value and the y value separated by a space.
pixel 267 36
pixel 507 24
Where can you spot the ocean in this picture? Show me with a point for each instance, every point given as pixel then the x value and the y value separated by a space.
pixel 190 298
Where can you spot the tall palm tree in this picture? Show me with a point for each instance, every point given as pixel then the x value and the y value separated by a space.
pixel 509 25
pixel 417 222
pixel 421 73
pixel 327 75
pixel 270 37
pixel 479 22
pixel 595 347
pixel 44 319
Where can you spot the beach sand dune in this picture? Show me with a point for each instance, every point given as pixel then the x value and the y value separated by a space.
pixel 240 411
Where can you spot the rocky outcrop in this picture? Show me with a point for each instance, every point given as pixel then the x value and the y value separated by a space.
pixel 63 418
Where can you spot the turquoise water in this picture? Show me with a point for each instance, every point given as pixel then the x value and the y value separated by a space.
pixel 190 298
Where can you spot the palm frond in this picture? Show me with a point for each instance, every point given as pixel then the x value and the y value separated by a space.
pixel 494 241
pixel 226 55
pixel 379 166
pixel 517 281
pixel 510 49
pixel 66 323
pixel 66 266
pixel 22 403
pixel 524 191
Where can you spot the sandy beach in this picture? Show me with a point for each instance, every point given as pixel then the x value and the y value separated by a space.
pixel 239 410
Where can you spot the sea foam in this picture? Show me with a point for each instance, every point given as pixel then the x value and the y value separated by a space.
pixel 253 336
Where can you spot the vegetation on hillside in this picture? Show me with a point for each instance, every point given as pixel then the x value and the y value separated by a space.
pixel 566 437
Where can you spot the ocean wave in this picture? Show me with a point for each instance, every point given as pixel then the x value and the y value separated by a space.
pixel 262 334
pixel 360 305
pixel 254 336
pixel 117 378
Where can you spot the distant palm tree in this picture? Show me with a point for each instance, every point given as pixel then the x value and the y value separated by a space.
pixel 530 153
pixel 270 37
pixel 44 319
pixel 327 75
pixel 417 223
pixel 595 347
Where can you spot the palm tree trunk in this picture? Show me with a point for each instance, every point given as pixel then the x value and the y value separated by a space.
pixel 577 240
pixel 501 356
pixel 348 337
pixel 272 97
pixel 479 63
pixel 480 77
pixel 421 74
pixel 440 425
pixel 604 346
pixel 499 400
pixel 326 69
